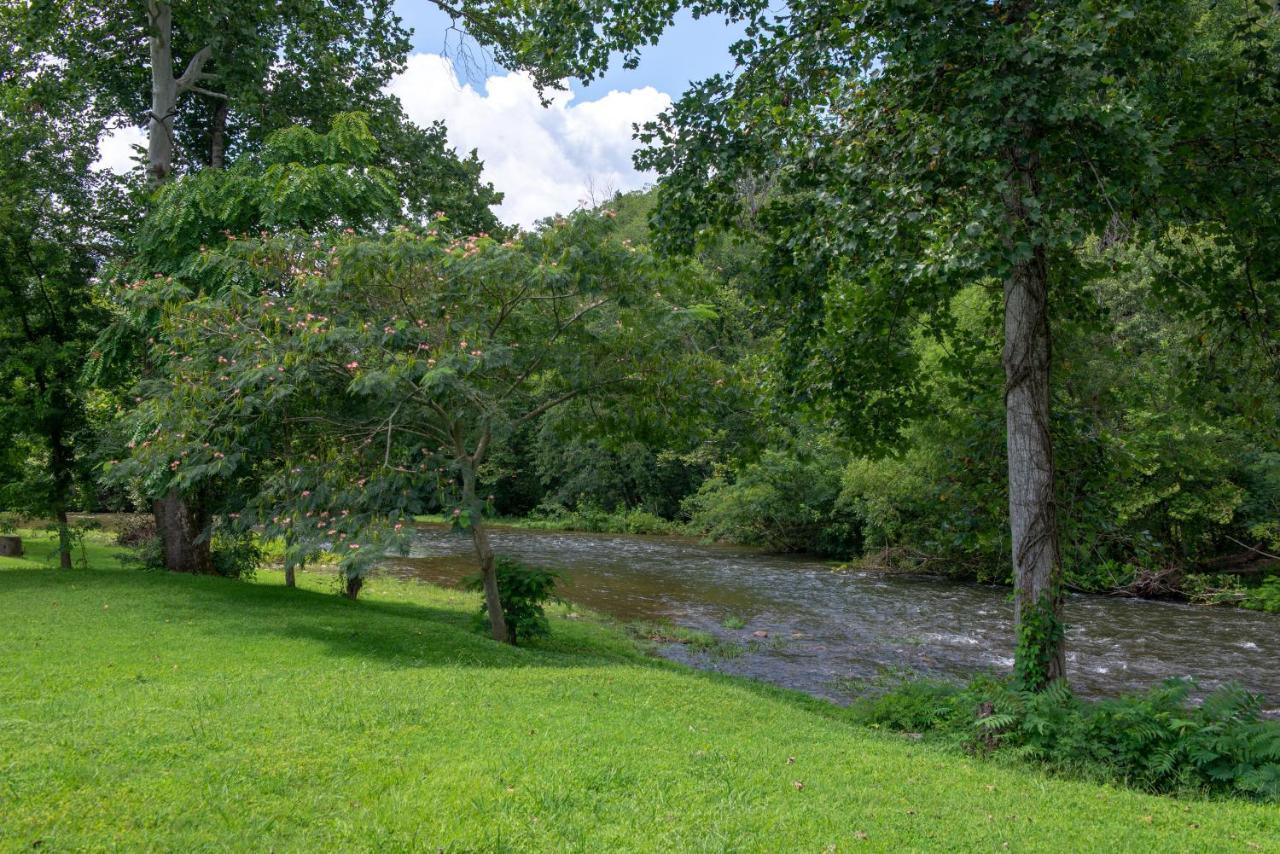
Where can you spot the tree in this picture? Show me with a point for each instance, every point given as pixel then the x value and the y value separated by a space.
pixel 221 78
pixel 53 216
pixel 894 151
pixel 307 182
pixel 386 368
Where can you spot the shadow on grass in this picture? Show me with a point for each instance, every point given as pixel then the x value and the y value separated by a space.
pixel 396 634
pixel 406 634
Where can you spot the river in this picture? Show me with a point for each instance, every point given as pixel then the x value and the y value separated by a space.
pixel 828 629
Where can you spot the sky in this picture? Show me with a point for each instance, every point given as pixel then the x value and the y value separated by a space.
pixel 545 160
pixel 550 160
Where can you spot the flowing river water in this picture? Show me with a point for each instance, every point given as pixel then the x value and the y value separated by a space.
pixel 829 629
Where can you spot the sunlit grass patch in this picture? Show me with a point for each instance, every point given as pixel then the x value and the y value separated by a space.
pixel 144 710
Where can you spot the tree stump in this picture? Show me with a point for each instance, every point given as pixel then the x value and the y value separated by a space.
pixel 10 546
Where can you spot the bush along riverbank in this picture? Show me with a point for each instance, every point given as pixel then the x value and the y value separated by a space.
pixel 298 719
pixel 1156 741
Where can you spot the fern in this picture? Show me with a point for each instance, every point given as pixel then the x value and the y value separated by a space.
pixel 1158 741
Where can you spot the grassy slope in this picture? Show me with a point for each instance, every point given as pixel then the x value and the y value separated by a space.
pixel 142 710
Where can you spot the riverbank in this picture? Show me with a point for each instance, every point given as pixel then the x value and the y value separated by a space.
pixel 1223 583
pixel 147 710
pixel 586 522
pixel 1249 579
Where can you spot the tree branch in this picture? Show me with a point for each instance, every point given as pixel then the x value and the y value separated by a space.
pixel 194 70
pixel 200 91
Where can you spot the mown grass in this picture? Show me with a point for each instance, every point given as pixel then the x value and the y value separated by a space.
pixel 40 550
pixel 140 710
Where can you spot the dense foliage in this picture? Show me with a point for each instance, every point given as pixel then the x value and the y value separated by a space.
pixel 56 218
pixel 1167 483
pixel 340 371
pixel 896 154
pixel 1158 741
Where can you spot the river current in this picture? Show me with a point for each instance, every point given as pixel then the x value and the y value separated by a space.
pixel 803 624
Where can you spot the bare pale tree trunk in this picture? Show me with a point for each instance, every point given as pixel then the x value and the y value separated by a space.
pixel 166 89
pixel 484 553
pixel 1033 523
pixel 164 92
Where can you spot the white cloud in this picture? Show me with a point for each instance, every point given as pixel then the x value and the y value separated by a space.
pixel 546 160
pixel 115 149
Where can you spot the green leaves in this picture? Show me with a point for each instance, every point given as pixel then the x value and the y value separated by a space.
pixel 359 377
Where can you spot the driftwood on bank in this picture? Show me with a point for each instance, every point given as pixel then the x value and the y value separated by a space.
pixel 1160 583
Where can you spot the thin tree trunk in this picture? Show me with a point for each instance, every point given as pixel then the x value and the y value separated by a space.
pixel 64 539
pixel 289 578
pixel 489 573
pixel 1033 524
pixel 218 136
pixel 60 461
pixel 354 583
pixel 484 553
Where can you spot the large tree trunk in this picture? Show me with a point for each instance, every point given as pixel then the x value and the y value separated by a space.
pixel 181 527
pixel 1033 522
pixel 484 553
pixel 179 522
pixel 352 589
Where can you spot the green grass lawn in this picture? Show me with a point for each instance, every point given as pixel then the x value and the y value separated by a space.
pixel 40 549
pixel 140 710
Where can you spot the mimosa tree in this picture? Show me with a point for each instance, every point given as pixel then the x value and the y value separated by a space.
pixel 366 379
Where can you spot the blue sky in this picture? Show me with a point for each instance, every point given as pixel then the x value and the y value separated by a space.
pixel 690 50
pixel 551 160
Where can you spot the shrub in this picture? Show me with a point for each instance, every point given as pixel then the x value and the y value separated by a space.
pixel 523 590
pixel 785 501
pixel 146 549
pixel 136 531
pixel 1157 741
pixel 593 519
pixel 236 555
pixel 914 706
pixel 1265 597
